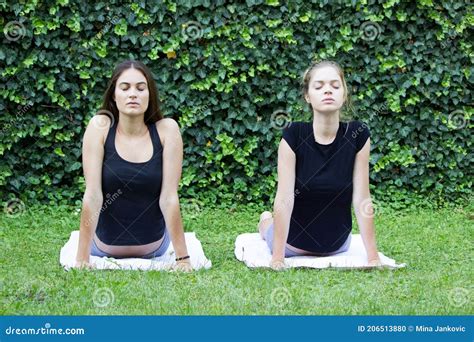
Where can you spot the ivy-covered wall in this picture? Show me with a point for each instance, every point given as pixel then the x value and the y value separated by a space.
pixel 229 73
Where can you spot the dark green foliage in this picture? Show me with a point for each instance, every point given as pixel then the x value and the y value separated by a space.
pixel 222 70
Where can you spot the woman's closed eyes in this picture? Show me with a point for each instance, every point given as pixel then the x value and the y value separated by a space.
pixel 126 86
pixel 333 83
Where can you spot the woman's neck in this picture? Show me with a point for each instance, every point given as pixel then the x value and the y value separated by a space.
pixel 132 125
pixel 325 126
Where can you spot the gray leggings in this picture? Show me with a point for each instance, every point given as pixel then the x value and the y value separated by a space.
pixel 289 253
pixel 95 251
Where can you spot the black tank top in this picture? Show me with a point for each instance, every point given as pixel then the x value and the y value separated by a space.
pixel 321 218
pixel 131 214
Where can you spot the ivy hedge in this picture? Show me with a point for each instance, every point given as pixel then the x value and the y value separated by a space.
pixel 230 73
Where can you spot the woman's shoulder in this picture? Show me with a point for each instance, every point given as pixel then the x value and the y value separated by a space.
pixel 168 124
pixel 358 133
pixel 98 127
pixel 167 127
pixel 295 132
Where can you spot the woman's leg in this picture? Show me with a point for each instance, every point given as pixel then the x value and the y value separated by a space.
pixel 269 239
pixel 265 228
pixel 266 219
pixel 96 251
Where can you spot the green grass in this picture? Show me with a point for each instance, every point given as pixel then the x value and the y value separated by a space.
pixel 436 245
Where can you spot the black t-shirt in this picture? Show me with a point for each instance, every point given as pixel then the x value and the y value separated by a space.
pixel 321 218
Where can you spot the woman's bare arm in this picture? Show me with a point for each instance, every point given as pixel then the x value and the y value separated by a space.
pixel 284 200
pixel 363 204
pixel 169 200
pixel 92 159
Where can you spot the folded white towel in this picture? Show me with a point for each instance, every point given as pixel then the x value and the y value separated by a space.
pixel 254 252
pixel 67 257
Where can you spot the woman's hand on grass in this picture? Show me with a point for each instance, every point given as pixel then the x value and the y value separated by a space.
pixel 278 264
pixel 83 264
pixel 183 266
pixel 375 262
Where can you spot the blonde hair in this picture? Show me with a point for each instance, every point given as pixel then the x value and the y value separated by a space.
pixel 347 105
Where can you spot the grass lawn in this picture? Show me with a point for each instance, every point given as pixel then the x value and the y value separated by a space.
pixel 436 245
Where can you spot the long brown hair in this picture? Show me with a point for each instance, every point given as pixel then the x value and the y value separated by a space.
pixel 153 112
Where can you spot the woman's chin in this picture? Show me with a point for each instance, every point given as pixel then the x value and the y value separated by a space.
pixel 133 111
pixel 328 109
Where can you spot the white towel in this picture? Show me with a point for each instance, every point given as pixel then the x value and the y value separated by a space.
pixel 254 252
pixel 67 257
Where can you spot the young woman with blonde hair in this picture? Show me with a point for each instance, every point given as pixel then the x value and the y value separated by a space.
pixel 323 168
